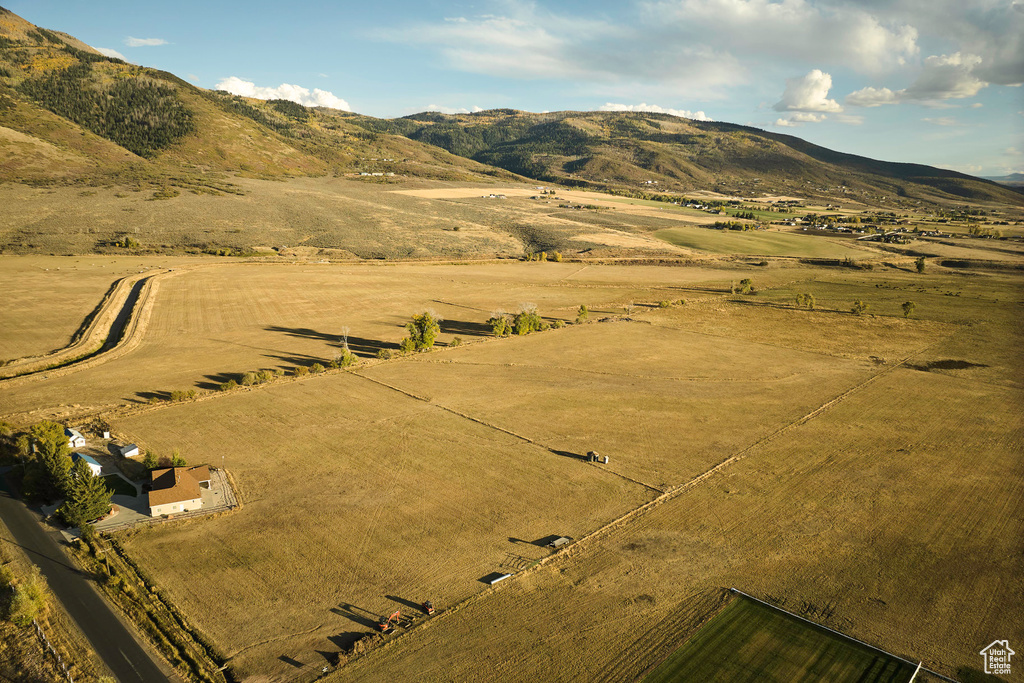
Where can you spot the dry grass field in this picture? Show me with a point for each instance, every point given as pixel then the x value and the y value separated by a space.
pixel 863 471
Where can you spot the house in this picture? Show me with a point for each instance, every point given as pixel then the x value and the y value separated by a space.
pixel 94 466
pixel 75 438
pixel 127 451
pixel 177 489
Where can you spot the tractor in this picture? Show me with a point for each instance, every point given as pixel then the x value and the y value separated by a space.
pixel 428 607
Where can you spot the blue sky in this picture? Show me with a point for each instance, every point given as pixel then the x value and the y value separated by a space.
pixel 926 81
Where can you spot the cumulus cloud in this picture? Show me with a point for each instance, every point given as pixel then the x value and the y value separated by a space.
pixel 653 108
pixel 452 110
pixel 285 91
pixel 872 97
pixel 785 123
pixel 844 34
pixel 108 52
pixel 808 93
pixel 942 77
pixel 144 42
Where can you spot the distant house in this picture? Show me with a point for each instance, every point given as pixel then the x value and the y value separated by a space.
pixel 75 438
pixel 177 489
pixel 94 466
pixel 127 451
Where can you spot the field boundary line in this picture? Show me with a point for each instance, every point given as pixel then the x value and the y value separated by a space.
pixel 497 428
pixel 842 635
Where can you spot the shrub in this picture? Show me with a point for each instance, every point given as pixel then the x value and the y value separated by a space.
pixel 407 345
pixel 582 314
pixel 316 367
pixel 248 379
pixel 919 264
pixel 556 257
pixel 663 304
pixel 177 460
pixel 858 307
pixel 557 324
pixel 456 341
pixel 28 600
pixel 805 299
pixel 264 376
pixel 385 354
pixel 343 359
pixel 501 324
pixel 229 385
pixel 908 308
pixel 527 320
pixel 150 461
pixel 746 286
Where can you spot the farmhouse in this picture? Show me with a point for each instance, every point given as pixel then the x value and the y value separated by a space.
pixel 177 489
pixel 75 438
pixel 94 466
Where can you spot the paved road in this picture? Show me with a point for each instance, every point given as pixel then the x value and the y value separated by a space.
pixel 110 638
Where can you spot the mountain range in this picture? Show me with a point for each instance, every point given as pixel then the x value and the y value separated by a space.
pixel 69 114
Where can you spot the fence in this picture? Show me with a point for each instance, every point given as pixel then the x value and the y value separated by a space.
pixel 53 651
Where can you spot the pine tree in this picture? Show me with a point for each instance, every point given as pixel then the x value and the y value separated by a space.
pixel 88 498
pixel 52 451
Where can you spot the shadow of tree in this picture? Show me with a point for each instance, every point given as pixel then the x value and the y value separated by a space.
pixel 154 395
pixel 463 327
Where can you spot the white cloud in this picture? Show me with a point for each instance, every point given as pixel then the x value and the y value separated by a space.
pixel 108 52
pixel 841 34
pixel 452 110
pixel 808 93
pixel 786 123
pixel 285 91
pixel 942 77
pixel 802 117
pixel 684 113
pixel 144 42
pixel 872 97
pixel 977 105
pixel 193 78
pixel 946 77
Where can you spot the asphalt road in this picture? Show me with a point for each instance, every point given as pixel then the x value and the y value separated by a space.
pixel 111 639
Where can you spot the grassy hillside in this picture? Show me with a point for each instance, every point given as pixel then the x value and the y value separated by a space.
pixel 69 114
pixel 615 149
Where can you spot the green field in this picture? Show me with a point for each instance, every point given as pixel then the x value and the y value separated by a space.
pixel 750 641
pixel 760 243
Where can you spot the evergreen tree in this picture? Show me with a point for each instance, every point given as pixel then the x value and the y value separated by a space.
pixel 52 454
pixel 88 498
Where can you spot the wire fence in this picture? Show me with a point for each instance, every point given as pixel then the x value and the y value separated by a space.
pixel 53 651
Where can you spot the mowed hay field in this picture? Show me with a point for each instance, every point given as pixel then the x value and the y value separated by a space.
pixel 900 504
pixel 358 500
pixel 866 468
pixel 218 319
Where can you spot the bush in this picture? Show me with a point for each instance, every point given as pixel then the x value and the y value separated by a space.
pixel 456 341
pixel 556 257
pixel 183 395
pixel 557 324
pixel 300 371
pixel 150 461
pixel 919 264
pixel 908 308
pixel 316 367
pixel 527 320
pixel 663 304
pixel 858 307
pixel 582 314
pixel 229 385
pixel 680 302
pixel 385 354
pixel 27 600
pixel 746 286
pixel 501 324
pixel 248 379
